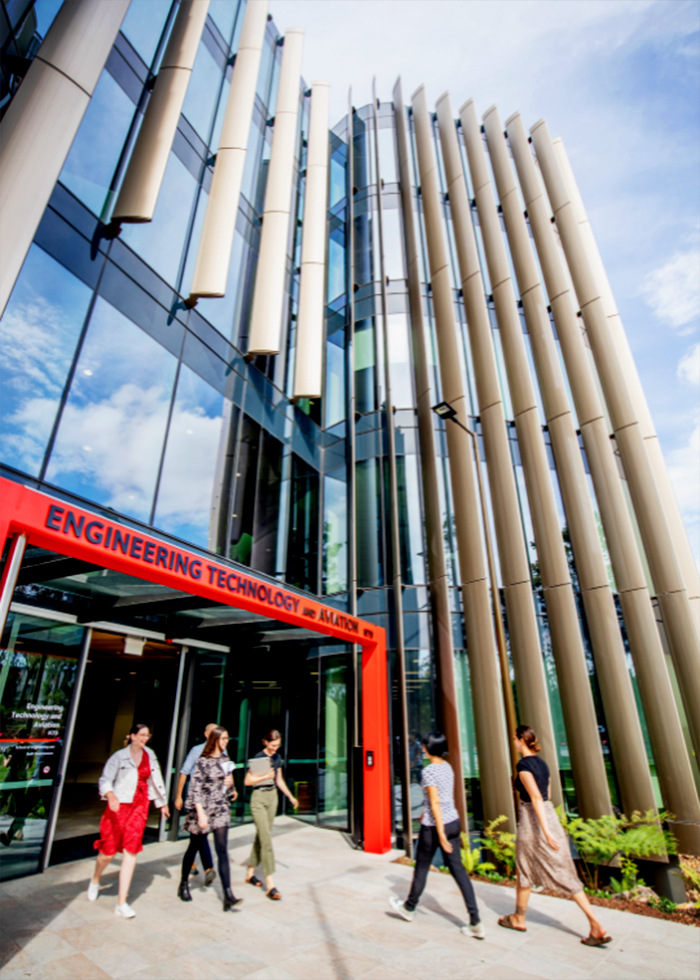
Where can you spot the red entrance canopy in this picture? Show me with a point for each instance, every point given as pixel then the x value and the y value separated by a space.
pixel 59 526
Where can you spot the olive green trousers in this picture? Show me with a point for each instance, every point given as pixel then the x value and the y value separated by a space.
pixel 263 807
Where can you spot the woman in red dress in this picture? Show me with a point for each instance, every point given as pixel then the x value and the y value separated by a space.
pixel 130 779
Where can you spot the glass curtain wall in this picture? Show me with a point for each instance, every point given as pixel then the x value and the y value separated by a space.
pixel 112 388
pixel 38 669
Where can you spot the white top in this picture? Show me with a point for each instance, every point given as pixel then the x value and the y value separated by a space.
pixel 121 776
pixel 440 775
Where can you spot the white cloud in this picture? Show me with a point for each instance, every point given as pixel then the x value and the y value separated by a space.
pixel 673 290
pixel 689 366
pixel 115 445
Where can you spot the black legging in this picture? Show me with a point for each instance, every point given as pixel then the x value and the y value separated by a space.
pixel 198 843
pixel 427 845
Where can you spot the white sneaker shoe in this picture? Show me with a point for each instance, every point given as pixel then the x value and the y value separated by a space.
pixel 93 891
pixel 125 911
pixel 477 931
pixel 400 909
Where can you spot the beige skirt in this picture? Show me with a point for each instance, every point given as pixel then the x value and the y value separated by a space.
pixel 537 863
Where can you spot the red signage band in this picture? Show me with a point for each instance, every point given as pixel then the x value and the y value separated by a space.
pixel 70 530
pixel 62 527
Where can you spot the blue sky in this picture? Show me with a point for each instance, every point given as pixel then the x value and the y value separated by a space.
pixel 618 80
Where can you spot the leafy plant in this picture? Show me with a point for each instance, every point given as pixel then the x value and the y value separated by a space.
pixel 501 844
pixel 471 858
pixel 630 879
pixel 600 841
pixel 691 879
pixel 663 904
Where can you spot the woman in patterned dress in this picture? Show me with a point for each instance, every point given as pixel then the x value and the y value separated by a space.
pixel 211 788
pixel 542 854
pixel 130 779
pixel 440 827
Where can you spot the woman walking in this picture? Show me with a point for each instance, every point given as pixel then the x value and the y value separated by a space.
pixel 263 807
pixel 542 854
pixel 130 779
pixel 211 788
pixel 440 826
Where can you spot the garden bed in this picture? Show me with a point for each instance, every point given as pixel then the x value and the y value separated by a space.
pixel 686 916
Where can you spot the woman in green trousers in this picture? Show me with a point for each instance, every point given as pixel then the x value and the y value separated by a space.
pixel 263 807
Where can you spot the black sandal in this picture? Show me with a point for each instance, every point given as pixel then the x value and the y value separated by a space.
pixel 255 882
pixel 274 895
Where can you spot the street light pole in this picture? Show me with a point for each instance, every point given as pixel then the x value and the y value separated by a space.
pixel 445 411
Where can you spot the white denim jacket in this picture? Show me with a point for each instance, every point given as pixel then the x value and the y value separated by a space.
pixel 121 776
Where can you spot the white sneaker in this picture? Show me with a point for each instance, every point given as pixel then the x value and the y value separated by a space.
pixel 400 909
pixel 125 911
pixel 477 931
pixel 93 891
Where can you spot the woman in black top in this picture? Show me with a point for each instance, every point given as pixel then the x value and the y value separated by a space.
pixel 263 807
pixel 542 853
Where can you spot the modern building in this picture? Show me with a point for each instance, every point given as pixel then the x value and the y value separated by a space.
pixel 330 430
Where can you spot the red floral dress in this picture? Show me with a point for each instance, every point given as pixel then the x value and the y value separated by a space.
pixel 123 830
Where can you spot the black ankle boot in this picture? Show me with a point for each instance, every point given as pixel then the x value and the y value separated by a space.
pixel 183 892
pixel 230 900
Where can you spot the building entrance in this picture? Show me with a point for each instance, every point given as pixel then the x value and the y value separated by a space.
pixel 104 627
pixel 305 694
pixel 126 680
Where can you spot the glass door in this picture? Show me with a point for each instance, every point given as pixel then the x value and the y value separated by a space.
pixel 38 668
pixel 333 742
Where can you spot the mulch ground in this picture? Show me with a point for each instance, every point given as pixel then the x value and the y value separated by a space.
pixel 688 917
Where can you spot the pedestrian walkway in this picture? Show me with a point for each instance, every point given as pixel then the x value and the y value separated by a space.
pixel 334 922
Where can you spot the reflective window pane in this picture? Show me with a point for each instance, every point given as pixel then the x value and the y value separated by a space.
pixel 338 179
pixel 111 434
pixel 265 69
pixel 244 492
pixel 335 531
pixel 185 492
pixel 93 157
pixel 400 361
pixel 267 505
pixel 387 155
pixel 252 162
pixel 302 551
pixel 364 365
pixel 202 92
pixel 223 13
pixel 333 743
pixel 160 242
pixel 336 265
pixel 143 25
pixel 410 520
pixel 38 334
pixel 393 244
pixel 368 524
pixel 38 666
pixel 335 379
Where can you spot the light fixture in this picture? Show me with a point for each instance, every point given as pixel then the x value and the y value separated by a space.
pixel 134 645
pixel 445 410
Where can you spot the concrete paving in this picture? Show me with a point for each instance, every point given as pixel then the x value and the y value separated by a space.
pixel 334 922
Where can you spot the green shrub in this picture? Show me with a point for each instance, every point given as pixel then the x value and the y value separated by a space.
pixel 600 841
pixel 471 858
pixel 663 904
pixel 501 844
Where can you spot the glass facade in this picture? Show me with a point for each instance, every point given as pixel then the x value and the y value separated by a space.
pixel 118 391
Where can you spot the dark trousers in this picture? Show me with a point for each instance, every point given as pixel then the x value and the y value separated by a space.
pixel 427 845
pixel 205 853
pixel 198 842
